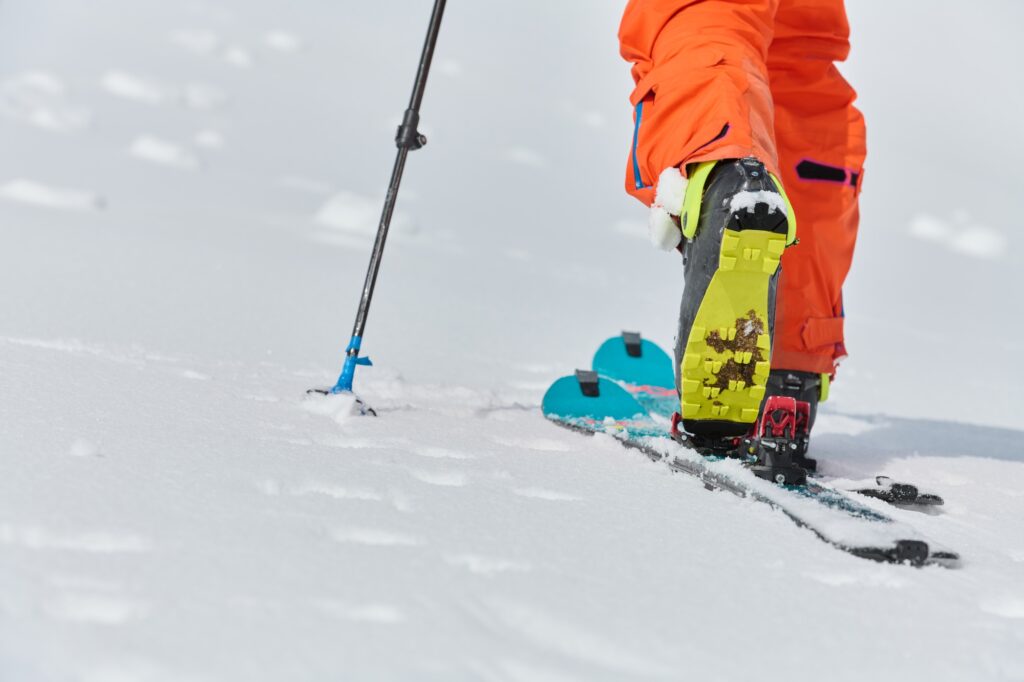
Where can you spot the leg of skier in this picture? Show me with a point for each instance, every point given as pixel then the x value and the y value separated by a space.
pixel 703 108
pixel 820 139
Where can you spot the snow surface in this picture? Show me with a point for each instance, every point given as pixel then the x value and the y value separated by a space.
pixel 174 507
pixel 37 194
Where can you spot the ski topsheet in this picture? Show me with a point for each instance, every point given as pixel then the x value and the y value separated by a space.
pixel 629 395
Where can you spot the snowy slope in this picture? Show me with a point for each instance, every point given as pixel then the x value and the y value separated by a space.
pixel 187 199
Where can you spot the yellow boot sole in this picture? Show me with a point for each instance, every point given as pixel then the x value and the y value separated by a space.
pixel 727 356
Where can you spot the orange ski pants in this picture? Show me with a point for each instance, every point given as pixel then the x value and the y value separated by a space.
pixel 722 79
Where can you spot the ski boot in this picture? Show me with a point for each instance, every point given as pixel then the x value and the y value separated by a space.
pixel 714 446
pixel 726 318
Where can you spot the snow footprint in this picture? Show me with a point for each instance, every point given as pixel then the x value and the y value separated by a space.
pixel 237 56
pixel 135 88
pixel 38 99
pixel 539 444
pixel 98 542
pixel 262 397
pixel 209 139
pixel 394 497
pixel 282 41
pixel 84 448
pixel 545 494
pixel 400 501
pixel 38 194
pixel 336 491
pixel 97 608
pixel 375 537
pixel 351 219
pixel 487 566
pixel 442 453
pixel 1006 606
pixel 383 614
pixel 142 90
pixel 449 479
pixel 162 152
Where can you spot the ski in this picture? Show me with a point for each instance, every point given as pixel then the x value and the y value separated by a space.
pixel 645 370
pixel 590 403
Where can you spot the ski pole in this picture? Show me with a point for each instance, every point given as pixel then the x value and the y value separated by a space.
pixel 408 138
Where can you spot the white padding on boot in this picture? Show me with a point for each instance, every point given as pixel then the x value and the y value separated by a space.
pixel 671 191
pixel 663 229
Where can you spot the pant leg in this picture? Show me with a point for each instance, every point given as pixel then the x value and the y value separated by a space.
pixel 701 79
pixel 820 139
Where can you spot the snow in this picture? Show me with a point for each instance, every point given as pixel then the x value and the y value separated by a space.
pixel 43 82
pixel 449 67
pixel 210 139
pixel 960 236
pixel 38 194
pixel 136 88
pixel 662 229
pixel 308 185
pixel 671 190
pixel 524 156
pixel 237 56
pixel 353 218
pixel 283 41
pixel 746 201
pixel 147 91
pixel 173 506
pixel 200 96
pixel 40 99
pixel 84 448
pixel 163 152
pixel 197 41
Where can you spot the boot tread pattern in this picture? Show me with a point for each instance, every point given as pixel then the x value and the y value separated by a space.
pixel 726 361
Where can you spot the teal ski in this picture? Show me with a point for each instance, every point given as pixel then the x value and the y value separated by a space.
pixel 630 395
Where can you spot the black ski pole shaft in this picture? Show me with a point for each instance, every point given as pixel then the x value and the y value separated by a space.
pixel 408 138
